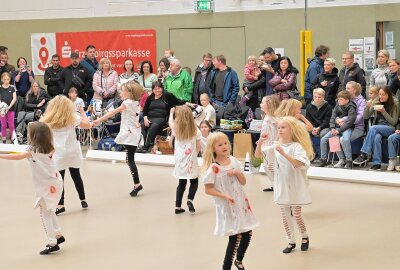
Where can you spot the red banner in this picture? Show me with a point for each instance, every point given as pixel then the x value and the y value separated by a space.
pixel 139 45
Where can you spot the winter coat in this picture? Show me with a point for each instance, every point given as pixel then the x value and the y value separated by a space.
pixel 52 78
pixel 277 85
pixel 331 88
pixel 31 101
pixel 380 76
pixel 319 117
pixel 104 84
pixel 355 73
pixel 316 67
pixel 231 86
pixel 83 74
pixel 180 85
pixel 196 82
pixel 348 111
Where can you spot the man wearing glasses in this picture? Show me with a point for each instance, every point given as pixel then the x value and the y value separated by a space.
pixel 202 77
pixel 351 72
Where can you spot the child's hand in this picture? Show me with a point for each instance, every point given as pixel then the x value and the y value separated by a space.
pixel 369 103
pixel 279 149
pixel 230 200
pixel 233 172
pixel 334 132
pixel 263 138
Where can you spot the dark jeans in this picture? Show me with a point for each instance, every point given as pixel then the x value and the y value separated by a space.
pixel 150 133
pixel 238 243
pixel 194 183
pixel 76 177
pixel 130 159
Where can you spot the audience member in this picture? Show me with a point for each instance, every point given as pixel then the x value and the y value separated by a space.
pixel 4 65
pixel 319 113
pixel 147 76
pixel 394 82
pixel 23 77
pixel 284 79
pixel 351 71
pixel 380 76
pixel 202 77
pixel 105 81
pixel 328 80
pixel 163 69
pixel 128 75
pixel 91 65
pixel 179 82
pixel 207 111
pixel 52 77
pixel 270 67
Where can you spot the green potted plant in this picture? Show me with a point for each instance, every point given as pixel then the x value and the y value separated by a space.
pixel 256 163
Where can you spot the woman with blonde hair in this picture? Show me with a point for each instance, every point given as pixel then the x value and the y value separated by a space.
pixel 292 107
pixel 380 75
pixel 105 81
pixel 187 147
pixel 61 117
pixel 293 152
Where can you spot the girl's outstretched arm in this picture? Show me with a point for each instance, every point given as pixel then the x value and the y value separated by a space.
pixel 210 190
pixel 17 156
pixel 109 114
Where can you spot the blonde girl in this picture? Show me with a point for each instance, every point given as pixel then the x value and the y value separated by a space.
pixel 205 129
pixel 187 147
pixel 9 97
pixel 292 107
pixel 46 180
pixel 61 117
pixel 223 179
pixel 129 134
pixel 293 152
pixel 269 104
pixel 251 73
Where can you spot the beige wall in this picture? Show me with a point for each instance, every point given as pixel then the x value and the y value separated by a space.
pixel 279 28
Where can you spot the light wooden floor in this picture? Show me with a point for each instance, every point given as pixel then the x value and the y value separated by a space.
pixel 351 226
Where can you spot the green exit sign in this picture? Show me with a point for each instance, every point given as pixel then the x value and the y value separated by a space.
pixel 204 5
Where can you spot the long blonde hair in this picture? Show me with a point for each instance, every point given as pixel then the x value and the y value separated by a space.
pixel 134 89
pixel 273 103
pixel 185 126
pixel 60 112
pixel 299 134
pixel 209 152
pixel 288 107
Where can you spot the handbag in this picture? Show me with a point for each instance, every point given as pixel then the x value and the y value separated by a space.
pixel 78 82
pixel 334 144
pixel 242 144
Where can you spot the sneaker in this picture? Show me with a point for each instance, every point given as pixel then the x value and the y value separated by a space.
pixel 179 211
pixel 84 204
pixel 191 207
pixel 392 164
pixel 376 167
pixel 322 163
pixel 340 164
pixel 349 164
pixel 361 159
pixel 60 210
pixel 49 249
pixel 136 190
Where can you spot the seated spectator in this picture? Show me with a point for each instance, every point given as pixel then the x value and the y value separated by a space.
pixel 344 109
pixel 319 113
pixel 329 81
pixel 4 65
pixel 147 76
pixel 128 75
pixel 380 76
pixel 207 113
pixel 386 116
pixel 35 104
pixel 394 77
pixel 78 102
pixel 163 69
pixel 393 148
pixel 23 77
pixel 8 97
pixel 52 77
pixel 105 81
pixel 355 89
pixel 179 82
pixel 284 79
pixel 156 111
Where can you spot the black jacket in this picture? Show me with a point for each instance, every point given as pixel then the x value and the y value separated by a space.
pixel 52 78
pixel 169 99
pixel 31 101
pixel 394 83
pixel 355 73
pixel 319 117
pixel 348 110
pixel 331 88
pixel 82 73
pixel 196 83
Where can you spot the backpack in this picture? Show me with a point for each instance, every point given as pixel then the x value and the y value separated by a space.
pixel 108 144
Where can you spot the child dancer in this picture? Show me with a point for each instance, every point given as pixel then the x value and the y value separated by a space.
pixel 61 117
pixel 187 147
pixel 223 179
pixel 73 96
pixel 46 180
pixel 251 73
pixel 129 134
pixel 8 96
pixel 293 153
pixel 205 129
pixel 268 105
pixel 292 107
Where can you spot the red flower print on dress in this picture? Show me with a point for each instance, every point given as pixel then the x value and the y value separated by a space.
pixel 188 151
pixel 248 205
pixel 53 189
pixel 215 168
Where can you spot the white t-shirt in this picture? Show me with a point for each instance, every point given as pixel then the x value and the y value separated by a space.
pixel 186 166
pixel 230 219
pixel 130 129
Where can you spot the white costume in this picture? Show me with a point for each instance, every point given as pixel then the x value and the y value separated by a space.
pixel 186 166
pixel 270 127
pixel 238 217
pixel 130 130
pixel 203 143
pixel 291 184
pixel 48 188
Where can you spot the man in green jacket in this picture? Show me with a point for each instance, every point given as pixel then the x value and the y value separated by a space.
pixel 179 82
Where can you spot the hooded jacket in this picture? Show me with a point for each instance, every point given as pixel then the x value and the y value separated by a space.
pixel 331 88
pixel 348 111
pixel 316 66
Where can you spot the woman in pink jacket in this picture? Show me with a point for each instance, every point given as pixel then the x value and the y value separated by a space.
pixel 284 79
pixel 105 81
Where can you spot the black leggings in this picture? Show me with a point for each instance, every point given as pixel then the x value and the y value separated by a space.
pixel 76 177
pixel 237 245
pixel 194 183
pixel 130 159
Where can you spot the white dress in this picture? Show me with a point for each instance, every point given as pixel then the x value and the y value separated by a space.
pixel 186 166
pixel 270 127
pixel 291 184
pixel 203 143
pixel 68 153
pixel 46 180
pixel 230 219
pixel 129 133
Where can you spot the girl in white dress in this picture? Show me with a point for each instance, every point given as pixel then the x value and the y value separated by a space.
pixel 130 130
pixel 46 180
pixel 223 179
pixel 268 105
pixel 187 147
pixel 205 129
pixel 293 152
pixel 61 117
pixel 292 107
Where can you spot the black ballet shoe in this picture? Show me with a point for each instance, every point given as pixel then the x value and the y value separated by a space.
pixel 268 189
pixel 191 207
pixel 60 210
pixel 289 248
pixel 84 204
pixel 49 249
pixel 136 190
pixel 304 245
pixel 239 265
pixel 179 211
pixel 60 240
